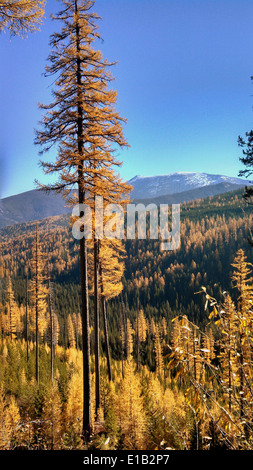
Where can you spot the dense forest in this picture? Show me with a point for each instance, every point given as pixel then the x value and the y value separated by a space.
pixel 173 334
pixel 160 282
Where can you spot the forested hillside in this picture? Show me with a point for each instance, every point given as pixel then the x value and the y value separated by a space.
pixel 167 385
pixel 162 282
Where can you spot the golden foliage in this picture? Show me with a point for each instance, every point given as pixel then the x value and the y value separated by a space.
pixel 52 419
pixel 130 410
pixel 21 16
pixel 9 420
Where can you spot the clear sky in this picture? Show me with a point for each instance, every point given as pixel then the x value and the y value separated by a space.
pixel 183 79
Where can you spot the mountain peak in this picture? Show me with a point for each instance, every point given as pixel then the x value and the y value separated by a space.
pixel 179 186
pixel 176 182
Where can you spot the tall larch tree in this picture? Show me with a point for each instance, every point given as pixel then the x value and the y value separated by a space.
pixel 106 270
pixel 71 332
pixel 111 269
pixel 158 353
pixel 84 125
pixel 52 419
pixel 27 319
pixel 208 352
pixel 11 310
pixel 53 324
pixel 194 355
pixel 77 324
pixel 143 327
pixel 38 295
pixel 243 282
pixel 228 350
pixel 130 411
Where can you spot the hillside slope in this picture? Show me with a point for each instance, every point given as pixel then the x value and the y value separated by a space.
pixel 145 187
pixel 212 230
pixel 29 206
pixel 168 189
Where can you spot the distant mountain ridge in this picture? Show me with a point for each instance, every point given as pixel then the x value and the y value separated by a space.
pixel 167 189
pixel 192 194
pixel 154 186
pixel 29 206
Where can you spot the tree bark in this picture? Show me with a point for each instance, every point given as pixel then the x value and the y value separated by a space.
pixel 36 305
pixel 107 345
pixel 51 314
pixel 137 334
pixel 26 321
pixel 85 341
pixel 87 428
pixel 104 313
pixel 123 335
pixel 96 325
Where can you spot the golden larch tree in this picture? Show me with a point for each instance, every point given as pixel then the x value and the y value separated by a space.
pixel 243 282
pixel 130 410
pixel 228 351
pixel 12 310
pixel 158 353
pixel 71 332
pixel 84 125
pixel 39 292
pixel 52 419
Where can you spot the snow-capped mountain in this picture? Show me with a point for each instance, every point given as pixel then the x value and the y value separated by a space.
pixel 173 188
pixel 154 186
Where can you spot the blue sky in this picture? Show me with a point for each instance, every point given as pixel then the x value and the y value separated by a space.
pixel 183 82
